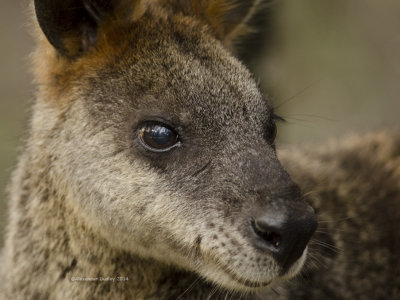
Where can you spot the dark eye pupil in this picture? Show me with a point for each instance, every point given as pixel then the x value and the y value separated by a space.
pixel 158 137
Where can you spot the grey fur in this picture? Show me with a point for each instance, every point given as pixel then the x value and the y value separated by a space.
pixel 88 201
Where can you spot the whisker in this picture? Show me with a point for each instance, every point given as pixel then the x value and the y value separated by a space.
pixel 275 291
pixel 213 291
pixel 302 91
pixel 328 246
pixel 312 117
pixel 189 288
pixel 309 193
pixel 336 220
pixel 329 230
pixel 314 263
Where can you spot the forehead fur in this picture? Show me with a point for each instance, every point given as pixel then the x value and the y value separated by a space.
pixel 170 56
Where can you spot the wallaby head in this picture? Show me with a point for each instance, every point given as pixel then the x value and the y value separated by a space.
pixel 161 139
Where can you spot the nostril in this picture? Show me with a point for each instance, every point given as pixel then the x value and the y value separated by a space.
pixel 284 236
pixel 267 233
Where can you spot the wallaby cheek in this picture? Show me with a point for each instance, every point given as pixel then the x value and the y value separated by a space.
pixel 122 198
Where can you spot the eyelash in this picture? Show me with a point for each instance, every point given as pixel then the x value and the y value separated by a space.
pixel 277 118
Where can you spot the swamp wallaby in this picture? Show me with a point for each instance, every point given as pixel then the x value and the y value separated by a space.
pixel 150 171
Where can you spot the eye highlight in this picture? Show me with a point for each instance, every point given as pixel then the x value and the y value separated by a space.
pixel 158 137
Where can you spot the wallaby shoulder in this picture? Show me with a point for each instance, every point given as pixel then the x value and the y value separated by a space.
pixel 354 184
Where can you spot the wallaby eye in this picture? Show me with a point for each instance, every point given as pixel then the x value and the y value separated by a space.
pixel 158 137
pixel 271 132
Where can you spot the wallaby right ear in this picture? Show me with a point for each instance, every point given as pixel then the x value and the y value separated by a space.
pixel 71 26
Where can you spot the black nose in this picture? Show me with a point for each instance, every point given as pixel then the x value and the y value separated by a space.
pixel 283 235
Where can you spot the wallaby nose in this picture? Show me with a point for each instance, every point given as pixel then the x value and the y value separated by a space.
pixel 284 236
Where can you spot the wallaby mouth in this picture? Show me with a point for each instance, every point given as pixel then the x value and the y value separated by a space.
pixel 263 246
pixel 245 282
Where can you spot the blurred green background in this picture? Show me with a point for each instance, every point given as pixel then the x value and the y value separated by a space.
pixel 331 68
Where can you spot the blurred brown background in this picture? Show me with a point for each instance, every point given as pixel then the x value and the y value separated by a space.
pixel 15 89
pixel 331 67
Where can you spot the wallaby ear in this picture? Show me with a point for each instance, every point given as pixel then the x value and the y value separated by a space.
pixel 228 18
pixel 71 26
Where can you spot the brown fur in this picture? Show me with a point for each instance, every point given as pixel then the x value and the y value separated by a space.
pixel 88 201
pixel 355 187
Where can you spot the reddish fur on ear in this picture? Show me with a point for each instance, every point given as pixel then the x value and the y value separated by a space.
pixel 228 19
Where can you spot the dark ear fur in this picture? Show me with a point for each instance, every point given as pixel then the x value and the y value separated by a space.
pixel 71 26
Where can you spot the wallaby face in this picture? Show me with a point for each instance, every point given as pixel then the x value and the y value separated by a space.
pixel 164 143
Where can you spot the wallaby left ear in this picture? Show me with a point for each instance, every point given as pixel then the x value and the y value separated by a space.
pixel 228 18
pixel 71 26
